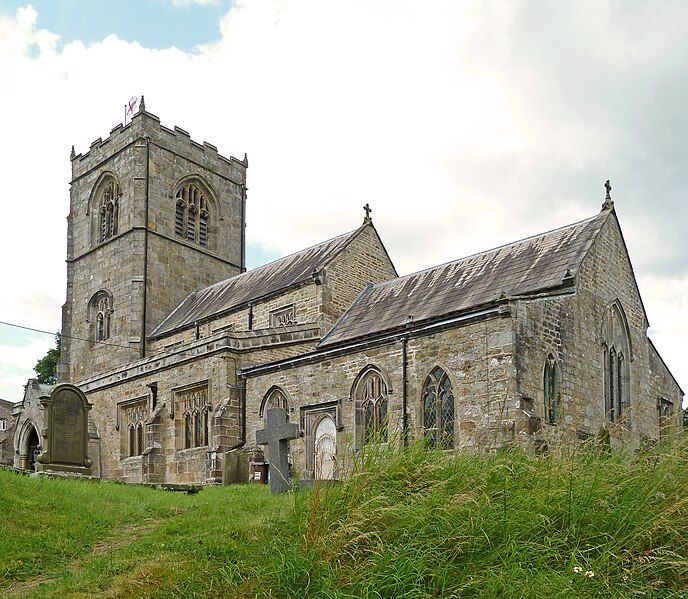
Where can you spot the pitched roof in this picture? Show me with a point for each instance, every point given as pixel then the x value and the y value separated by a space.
pixel 254 284
pixel 532 265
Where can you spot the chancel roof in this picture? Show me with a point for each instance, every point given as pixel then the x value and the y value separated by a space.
pixel 532 265
pixel 254 284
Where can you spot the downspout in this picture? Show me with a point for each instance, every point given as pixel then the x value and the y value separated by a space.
pixel 145 250
pixel 404 415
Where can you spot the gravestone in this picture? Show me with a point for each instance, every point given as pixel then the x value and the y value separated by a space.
pixel 65 436
pixel 277 436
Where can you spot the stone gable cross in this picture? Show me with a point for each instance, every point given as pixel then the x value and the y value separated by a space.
pixel 276 436
pixel 368 210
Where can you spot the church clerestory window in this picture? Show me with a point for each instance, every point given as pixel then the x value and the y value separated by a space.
pixel 192 414
pixel 372 405
pixel 192 214
pixel 100 309
pixel 438 410
pixel 551 390
pixel 108 209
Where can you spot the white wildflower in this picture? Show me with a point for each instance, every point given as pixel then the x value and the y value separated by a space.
pixel 577 569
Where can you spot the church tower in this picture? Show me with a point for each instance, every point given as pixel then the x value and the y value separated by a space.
pixel 153 217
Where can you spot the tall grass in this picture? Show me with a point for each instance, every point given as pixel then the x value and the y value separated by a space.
pixel 422 523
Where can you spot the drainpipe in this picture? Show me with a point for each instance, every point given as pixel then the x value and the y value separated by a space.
pixel 145 250
pixel 404 415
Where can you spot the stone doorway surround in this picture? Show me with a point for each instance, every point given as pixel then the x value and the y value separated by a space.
pixel 312 417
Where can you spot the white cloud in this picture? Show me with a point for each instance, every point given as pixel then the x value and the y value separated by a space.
pixel 463 124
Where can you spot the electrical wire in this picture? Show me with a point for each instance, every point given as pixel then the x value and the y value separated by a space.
pixel 20 326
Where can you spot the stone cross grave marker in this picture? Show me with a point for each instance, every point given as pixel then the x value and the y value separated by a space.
pixel 276 436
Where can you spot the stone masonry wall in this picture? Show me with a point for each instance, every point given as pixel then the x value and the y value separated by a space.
pixel 175 267
pixel 478 357
pixel 570 328
pixel 363 261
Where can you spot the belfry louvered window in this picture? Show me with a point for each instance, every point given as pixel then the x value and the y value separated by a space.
pixel 192 214
pixel 108 210
pixel 438 410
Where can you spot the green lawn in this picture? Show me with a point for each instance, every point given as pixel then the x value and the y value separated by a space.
pixel 406 524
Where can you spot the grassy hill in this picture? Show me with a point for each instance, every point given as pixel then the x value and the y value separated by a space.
pixel 407 524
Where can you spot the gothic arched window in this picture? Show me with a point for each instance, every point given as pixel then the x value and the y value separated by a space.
pixel 108 208
pixel 438 410
pixel 551 390
pixel 616 349
pixel 192 214
pixel 100 308
pixel 372 405
pixel 275 398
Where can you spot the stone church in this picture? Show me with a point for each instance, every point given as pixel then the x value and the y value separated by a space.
pixel 181 350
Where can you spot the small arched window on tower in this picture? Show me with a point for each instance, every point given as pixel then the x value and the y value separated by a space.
pixel 551 390
pixel 192 214
pixel 108 209
pixel 616 350
pixel 101 315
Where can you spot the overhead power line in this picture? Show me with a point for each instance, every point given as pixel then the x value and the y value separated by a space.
pixel 52 333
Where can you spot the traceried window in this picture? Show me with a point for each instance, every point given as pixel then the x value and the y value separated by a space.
pixel 616 351
pixel 275 398
pixel 551 390
pixel 371 398
pixel 666 415
pixel 192 417
pixel 192 214
pixel 438 410
pixel 282 317
pixel 133 417
pixel 108 209
pixel 100 309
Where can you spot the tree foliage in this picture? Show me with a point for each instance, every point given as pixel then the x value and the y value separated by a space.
pixel 46 367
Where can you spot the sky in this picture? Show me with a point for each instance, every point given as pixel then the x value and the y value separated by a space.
pixel 464 125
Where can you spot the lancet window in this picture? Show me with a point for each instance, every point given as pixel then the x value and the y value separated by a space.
pixel 108 209
pixel 438 410
pixel 101 316
pixel 551 390
pixel 616 351
pixel 192 214
pixel 133 417
pixel 192 409
pixel 275 398
pixel 371 397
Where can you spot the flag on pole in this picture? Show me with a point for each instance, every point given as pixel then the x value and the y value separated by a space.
pixel 130 109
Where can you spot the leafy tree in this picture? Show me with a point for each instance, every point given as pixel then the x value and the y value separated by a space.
pixel 46 367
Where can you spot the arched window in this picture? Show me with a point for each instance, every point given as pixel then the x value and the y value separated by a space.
pixel 187 431
pixel 438 410
pixel 139 438
pixel 100 308
pixel 372 405
pixel 551 390
pixel 275 398
pixel 132 440
pixel 616 350
pixel 192 214
pixel 108 208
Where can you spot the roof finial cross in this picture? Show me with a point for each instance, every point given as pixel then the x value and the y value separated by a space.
pixel 368 210
pixel 608 203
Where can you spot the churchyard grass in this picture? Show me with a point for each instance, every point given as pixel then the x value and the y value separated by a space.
pixel 416 523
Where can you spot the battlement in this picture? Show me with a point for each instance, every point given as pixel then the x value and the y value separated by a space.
pixel 145 124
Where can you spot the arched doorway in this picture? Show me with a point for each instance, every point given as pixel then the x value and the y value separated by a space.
pixel 325 448
pixel 30 448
